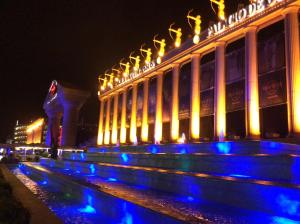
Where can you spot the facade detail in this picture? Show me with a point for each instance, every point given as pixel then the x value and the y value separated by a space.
pixel 240 81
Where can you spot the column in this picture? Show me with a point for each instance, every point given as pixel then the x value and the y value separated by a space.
pixel 52 137
pixel 293 68
pixel 175 104
pixel 107 120
pixel 114 135
pixel 220 98
pixel 133 137
pixel 123 119
pixel 100 127
pixel 69 126
pixel 251 85
pixel 158 114
pixel 195 98
pixel 145 127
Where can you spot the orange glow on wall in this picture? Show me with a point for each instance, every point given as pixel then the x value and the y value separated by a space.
pixel 144 134
pixel 100 127
pixel 293 66
pixel 252 98
pixel 123 120
pixel 175 105
pixel 133 115
pixel 195 102
pixel 296 100
pixel 35 132
pixel 107 121
pixel 158 117
pixel 220 99
pixel 114 133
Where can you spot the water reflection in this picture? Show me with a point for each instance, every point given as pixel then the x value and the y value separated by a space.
pixel 74 203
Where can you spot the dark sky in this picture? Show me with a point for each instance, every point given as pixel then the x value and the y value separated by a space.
pixel 74 41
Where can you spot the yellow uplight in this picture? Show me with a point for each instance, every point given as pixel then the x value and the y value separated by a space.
pixel 196 39
pixel 38 123
pixel 254 112
pixel 296 101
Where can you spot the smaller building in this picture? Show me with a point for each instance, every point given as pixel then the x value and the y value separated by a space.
pixel 36 132
pixel 30 133
pixel 20 135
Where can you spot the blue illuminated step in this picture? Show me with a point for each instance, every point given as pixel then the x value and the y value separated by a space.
pixel 236 147
pixel 73 202
pixel 264 196
pixel 260 166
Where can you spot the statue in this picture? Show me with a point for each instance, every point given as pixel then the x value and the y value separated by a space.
pixel 197 28
pixel 127 67
pixel 111 79
pixel 162 47
pixel 137 62
pixel 148 54
pixel 118 72
pixel 104 82
pixel 221 8
pixel 178 33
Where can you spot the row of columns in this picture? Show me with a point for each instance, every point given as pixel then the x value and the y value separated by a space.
pixel 252 92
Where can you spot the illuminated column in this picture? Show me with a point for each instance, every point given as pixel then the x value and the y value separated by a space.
pixel 195 98
pixel 293 68
pixel 123 120
pixel 158 114
pixel 220 98
pixel 145 112
pixel 52 136
pixel 251 88
pixel 100 127
pixel 114 134
pixel 133 137
pixel 175 105
pixel 107 120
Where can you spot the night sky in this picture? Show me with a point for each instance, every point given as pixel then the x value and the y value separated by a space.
pixel 74 41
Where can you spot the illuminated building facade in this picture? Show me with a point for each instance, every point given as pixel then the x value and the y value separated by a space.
pixel 36 132
pixel 20 135
pixel 241 80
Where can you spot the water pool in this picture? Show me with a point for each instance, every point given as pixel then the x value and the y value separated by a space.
pixel 74 203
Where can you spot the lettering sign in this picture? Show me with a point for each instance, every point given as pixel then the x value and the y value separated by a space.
pixel 141 71
pixel 241 15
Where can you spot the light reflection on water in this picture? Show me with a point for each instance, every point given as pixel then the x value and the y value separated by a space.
pixel 76 204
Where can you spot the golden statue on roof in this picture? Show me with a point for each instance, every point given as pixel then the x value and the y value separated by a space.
pixel 126 66
pixel 178 33
pixel 148 54
pixel 136 63
pixel 197 27
pixel 221 8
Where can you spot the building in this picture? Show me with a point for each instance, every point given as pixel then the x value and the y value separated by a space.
pixel 36 132
pixel 30 133
pixel 242 80
pixel 20 135
pixel 62 106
